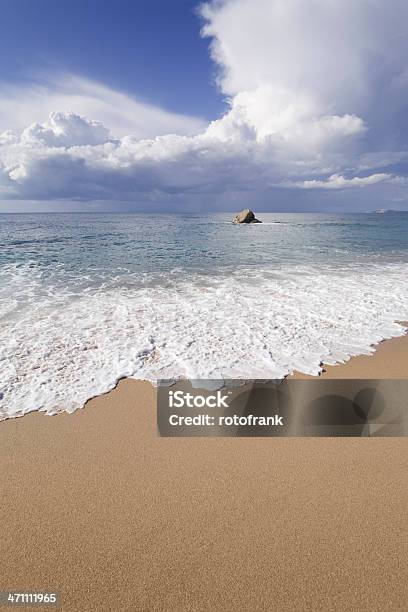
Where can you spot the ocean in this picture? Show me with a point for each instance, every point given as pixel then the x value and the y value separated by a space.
pixel 86 299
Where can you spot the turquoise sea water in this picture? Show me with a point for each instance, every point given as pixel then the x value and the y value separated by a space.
pixel 88 298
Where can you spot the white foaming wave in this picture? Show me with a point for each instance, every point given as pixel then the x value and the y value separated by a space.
pixel 58 349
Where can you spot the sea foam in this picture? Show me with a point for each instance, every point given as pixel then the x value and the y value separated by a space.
pixel 60 347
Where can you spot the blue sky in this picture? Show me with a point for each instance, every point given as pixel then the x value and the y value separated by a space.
pixel 148 48
pixel 157 105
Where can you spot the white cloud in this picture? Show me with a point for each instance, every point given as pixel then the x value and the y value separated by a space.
pixel 337 181
pixel 311 89
pixel 65 130
pixel 335 53
pixel 266 113
pixel 123 114
pixel 71 157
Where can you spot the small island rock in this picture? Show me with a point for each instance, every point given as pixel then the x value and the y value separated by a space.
pixel 246 216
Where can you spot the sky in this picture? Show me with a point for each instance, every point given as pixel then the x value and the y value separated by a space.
pixel 149 105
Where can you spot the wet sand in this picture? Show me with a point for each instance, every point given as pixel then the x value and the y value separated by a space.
pixel 96 506
pixel 390 360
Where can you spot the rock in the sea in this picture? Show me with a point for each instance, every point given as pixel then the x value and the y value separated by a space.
pixel 246 216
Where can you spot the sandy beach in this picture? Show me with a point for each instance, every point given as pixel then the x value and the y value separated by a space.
pixel 204 306
pixel 97 507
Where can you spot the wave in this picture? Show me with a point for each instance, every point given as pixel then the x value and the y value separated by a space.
pixel 61 345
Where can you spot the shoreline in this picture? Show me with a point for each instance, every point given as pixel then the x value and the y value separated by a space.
pixel 100 509
pixel 388 360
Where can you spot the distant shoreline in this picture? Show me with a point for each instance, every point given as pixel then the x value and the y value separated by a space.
pixel 194 212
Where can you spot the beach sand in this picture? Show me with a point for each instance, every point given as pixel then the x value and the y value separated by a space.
pixel 96 506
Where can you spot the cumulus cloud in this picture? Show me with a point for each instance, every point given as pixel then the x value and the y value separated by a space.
pixel 336 53
pixel 311 89
pixel 65 130
pixel 266 113
pixel 71 157
pixel 338 181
